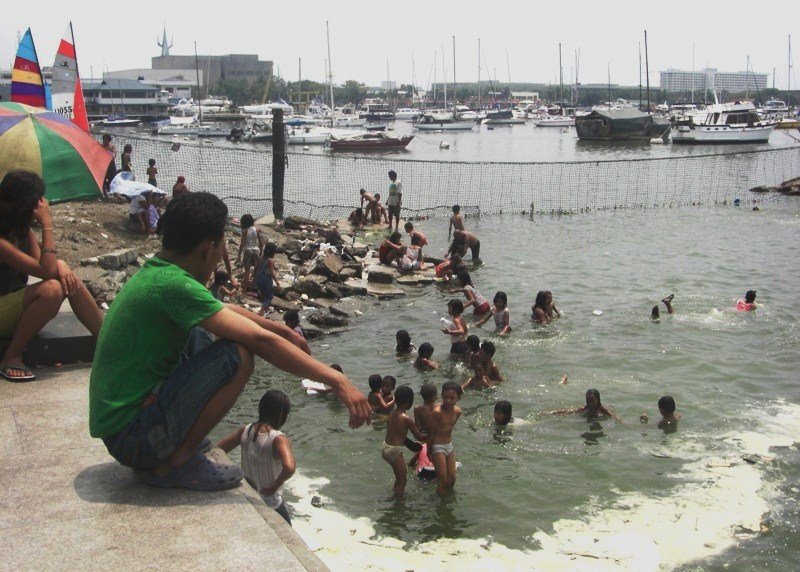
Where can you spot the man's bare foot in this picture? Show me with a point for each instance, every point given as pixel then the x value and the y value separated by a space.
pixel 668 299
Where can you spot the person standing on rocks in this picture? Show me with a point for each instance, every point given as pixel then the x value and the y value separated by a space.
pixel 395 200
pixel 160 383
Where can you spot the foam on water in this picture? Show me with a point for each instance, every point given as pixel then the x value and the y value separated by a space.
pixel 717 503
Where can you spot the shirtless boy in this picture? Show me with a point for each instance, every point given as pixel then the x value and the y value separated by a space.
pixel 371 202
pixel 397 427
pixel 440 436
pixel 486 359
pixel 478 381
pixel 463 240
pixel 456 221
pixel 422 413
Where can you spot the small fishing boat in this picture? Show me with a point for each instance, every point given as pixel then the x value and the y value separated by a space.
pixel 502 117
pixel 119 121
pixel 369 141
pixel 443 121
pixel 555 121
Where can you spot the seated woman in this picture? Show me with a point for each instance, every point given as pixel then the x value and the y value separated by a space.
pixel 24 309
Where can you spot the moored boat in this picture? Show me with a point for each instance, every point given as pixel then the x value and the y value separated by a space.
pixel 625 124
pixel 367 141
pixel 376 110
pixel 724 123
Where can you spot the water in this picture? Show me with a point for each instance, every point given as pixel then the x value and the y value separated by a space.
pixel 562 491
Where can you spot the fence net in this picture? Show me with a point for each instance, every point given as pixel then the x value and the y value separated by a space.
pixel 326 186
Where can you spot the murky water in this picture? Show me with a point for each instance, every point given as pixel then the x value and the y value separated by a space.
pixel 563 491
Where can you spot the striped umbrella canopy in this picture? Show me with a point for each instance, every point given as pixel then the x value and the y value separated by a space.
pixel 72 164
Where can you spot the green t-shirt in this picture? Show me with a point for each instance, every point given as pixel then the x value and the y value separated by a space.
pixel 141 340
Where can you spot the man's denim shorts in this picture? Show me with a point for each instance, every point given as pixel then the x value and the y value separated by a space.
pixel 173 406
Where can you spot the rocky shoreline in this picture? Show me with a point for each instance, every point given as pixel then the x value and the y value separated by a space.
pixel 327 273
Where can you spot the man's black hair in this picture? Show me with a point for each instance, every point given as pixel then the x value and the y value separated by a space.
pixel 190 219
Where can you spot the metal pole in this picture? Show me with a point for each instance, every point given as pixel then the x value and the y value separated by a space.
pixel 479 73
pixel 647 71
pixel 455 99
pixel 330 64
pixel 197 71
pixel 639 107
pixel 560 77
pixel 278 162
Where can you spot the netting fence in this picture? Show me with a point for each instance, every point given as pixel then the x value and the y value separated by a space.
pixel 326 186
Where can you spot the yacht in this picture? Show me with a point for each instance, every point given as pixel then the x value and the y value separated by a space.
pixel 737 122
pixel 774 109
pixel 376 110
pixel 407 113
pixel 443 120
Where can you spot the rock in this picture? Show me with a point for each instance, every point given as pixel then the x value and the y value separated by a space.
pixel 328 265
pixel 90 261
pixel 382 291
pixel 347 273
pixel 763 189
pixel 346 308
pixel 316 502
pixel 381 274
pixel 290 246
pixel 297 222
pixel 310 285
pixel 305 254
pixel 285 305
pixel 281 260
pixel 117 259
pixel 415 280
pixel 333 292
pixel 353 287
pixel 327 320
pixel 291 296
pixel 90 273
pixel 356 249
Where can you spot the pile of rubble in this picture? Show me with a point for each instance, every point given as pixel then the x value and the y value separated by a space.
pixel 789 188
pixel 324 272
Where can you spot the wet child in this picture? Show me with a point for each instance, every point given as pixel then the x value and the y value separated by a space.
pixel 539 310
pixel 422 413
pixel 479 380
pixel 387 388
pixel 654 314
pixel 370 208
pixel 397 427
pixel 357 218
pixel 749 302
pixel 440 436
pixel 593 408
pixel 292 320
pixel 457 329
pixel 502 413
pixel 424 361
pixel 410 258
pixel 500 313
pixel 250 248
pixel 390 249
pixel 669 419
pixel 375 397
pixel 475 299
pixel 456 221
pixel 404 346
pixel 422 240
pixel 486 359
pixel 265 276
pixel 152 172
pixel 379 211
pixel 221 286
pixel 267 457
pixel 446 269
pixel 474 349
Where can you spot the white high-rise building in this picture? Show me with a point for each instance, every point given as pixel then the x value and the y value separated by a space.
pixel 710 79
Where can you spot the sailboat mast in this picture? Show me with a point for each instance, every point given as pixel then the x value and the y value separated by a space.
pixel 647 71
pixel 197 71
pixel 692 102
pixel 454 71
pixel 444 75
pixel 789 74
pixel 479 73
pixel 577 68
pixel 330 64
pixel 639 107
pixel 609 86
pixel 560 77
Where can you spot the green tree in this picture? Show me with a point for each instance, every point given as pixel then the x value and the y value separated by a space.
pixel 351 91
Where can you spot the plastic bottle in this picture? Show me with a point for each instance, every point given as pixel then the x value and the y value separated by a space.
pixel 448 325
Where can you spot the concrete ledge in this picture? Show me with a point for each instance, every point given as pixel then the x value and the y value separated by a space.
pixel 68 505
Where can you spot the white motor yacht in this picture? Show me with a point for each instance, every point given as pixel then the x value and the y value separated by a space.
pixel 724 123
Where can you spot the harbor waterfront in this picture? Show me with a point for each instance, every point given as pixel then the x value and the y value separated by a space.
pixel 563 491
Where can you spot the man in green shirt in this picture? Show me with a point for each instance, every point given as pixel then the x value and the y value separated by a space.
pixel 395 200
pixel 159 382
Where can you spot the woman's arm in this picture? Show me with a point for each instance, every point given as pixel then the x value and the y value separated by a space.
pixel 41 263
pixel 231 441
pixel 281 449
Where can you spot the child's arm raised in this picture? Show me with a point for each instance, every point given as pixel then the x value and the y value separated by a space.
pixel 231 441
pixel 281 449
pixel 611 413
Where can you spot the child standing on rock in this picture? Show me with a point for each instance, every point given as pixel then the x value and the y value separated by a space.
pixel 265 276
pixel 250 247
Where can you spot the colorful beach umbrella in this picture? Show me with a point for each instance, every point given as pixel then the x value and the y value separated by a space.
pixel 71 162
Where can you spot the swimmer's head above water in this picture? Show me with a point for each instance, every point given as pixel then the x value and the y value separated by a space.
pixel 502 412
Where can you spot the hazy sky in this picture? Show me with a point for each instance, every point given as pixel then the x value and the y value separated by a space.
pixel 364 35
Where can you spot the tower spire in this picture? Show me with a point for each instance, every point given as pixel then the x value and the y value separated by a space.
pixel 164 44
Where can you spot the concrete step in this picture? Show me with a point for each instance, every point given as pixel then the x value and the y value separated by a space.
pixel 63 341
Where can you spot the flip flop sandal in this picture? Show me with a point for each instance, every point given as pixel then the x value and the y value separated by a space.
pixel 198 474
pixel 16 378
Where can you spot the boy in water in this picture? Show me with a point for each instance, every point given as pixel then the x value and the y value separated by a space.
pixel 456 221
pixel 668 303
pixel 669 419
pixel 502 413
pixel 422 413
pixel 477 381
pixel 485 359
pixel 375 397
pixel 440 436
pixel 424 361
pixel 749 302
pixel 387 389
pixel 292 320
pixel 397 427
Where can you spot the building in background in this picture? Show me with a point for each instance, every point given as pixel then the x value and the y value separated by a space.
pixel 710 79
pixel 124 96
pixel 216 68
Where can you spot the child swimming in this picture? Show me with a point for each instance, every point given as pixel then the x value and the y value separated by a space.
pixel 387 389
pixel 478 381
pixel 668 303
pixel 404 346
pixel 500 313
pixel 440 438
pixel 424 361
pixel 422 413
pixel 486 359
pixel 749 302
pixel 397 427
pixel 267 457
pixel 593 408
pixel 502 413
pixel 669 419
pixel 375 398
pixel 474 348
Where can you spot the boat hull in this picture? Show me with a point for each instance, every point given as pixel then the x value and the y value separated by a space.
pixel 594 127
pixel 456 126
pixel 370 144
pixel 566 122
pixel 506 121
pixel 698 134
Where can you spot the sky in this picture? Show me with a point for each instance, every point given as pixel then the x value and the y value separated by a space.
pixel 519 40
